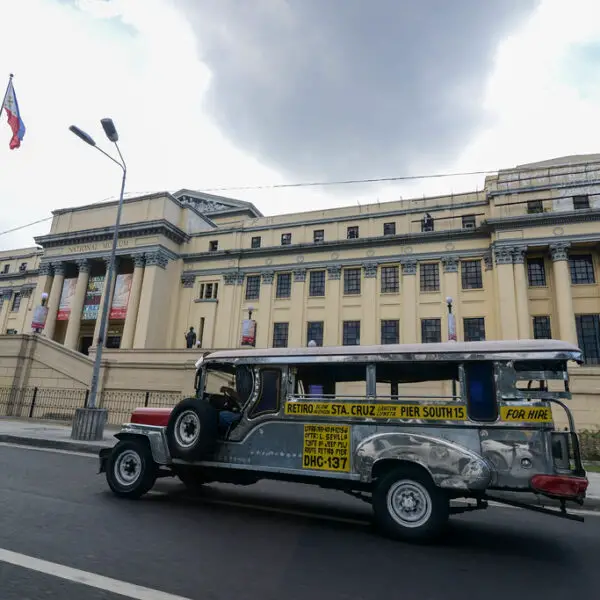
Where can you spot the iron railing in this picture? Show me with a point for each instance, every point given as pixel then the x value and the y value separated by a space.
pixel 56 404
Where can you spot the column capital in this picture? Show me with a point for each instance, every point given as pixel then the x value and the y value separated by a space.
pixel 188 280
pixel 230 278
pixel 267 277
pixel 450 264
pixel 370 269
pixel 45 269
pixel 6 293
pixel 83 265
pixel 139 260
pixel 559 251
pixel 26 291
pixel 503 255
pixel 409 266
pixel 488 261
pixel 334 272
pixel 157 259
pixel 59 268
pixel 299 275
pixel 519 254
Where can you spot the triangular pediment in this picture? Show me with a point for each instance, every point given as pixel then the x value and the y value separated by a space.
pixel 210 204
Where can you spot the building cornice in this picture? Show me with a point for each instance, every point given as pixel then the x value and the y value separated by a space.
pixel 582 238
pixel 18 275
pixel 420 210
pixel 541 219
pixel 339 245
pixel 27 253
pixel 134 252
pixel 87 236
pixel 541 188
pixel 131 200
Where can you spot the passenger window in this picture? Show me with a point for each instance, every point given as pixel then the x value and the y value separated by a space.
pixel 481 391
pixel 268 395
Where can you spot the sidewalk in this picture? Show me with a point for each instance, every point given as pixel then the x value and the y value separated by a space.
pixel 46 434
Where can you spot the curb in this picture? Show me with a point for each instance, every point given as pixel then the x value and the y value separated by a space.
pixel 76 446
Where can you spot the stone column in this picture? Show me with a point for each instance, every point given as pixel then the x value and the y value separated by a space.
pixel 107 296
pixel 54 299
pixel 408 326
pixel 44 283
pixel 134 301
pixel 521 296
pixel 227 314
pixel 370 332
pixel 72 335
pixel 6 301
pixel 451 289
pixel 332 335
pixel 506 293
pixel 263 323
pixel 562 292
pixel 297 319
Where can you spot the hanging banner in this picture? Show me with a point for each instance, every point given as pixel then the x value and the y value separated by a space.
pixel 451 328
pixel 66 298
pixel 248 332
pixel 39 317
pixel 120 301
pixel 93 296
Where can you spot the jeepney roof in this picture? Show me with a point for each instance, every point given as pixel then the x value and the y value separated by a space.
pixel 452 351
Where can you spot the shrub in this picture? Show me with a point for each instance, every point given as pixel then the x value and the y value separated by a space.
pixel 590 445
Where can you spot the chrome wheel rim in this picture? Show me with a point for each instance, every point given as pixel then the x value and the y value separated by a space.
pixel 187 429
pixel 128 468
pixel 409 503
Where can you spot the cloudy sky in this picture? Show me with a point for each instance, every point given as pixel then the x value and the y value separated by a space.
pixel 222 93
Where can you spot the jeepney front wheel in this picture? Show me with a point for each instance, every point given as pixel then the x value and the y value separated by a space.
pixel 130 469
pixel 409 506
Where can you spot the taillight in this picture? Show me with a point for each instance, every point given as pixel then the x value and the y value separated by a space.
pixel 560 485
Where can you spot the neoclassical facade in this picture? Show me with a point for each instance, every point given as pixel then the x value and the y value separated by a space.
pixel 519 259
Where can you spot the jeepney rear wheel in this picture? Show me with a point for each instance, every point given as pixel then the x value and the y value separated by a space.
pixel 192 430
pixel 130 469
pixel 409 506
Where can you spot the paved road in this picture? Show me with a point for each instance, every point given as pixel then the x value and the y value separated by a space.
pixel 53 507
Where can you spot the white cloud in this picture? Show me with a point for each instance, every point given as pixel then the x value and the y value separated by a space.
pixel 136 61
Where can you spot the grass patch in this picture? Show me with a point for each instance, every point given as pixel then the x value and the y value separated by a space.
pixel 592 468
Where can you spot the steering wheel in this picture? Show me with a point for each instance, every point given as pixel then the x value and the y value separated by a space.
pixel 230 398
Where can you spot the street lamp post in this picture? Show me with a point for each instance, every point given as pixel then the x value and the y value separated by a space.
pixel 89 421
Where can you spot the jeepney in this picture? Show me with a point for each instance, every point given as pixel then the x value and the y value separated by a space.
pixel 408 428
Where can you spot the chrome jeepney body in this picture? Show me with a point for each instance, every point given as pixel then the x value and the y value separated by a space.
pixel 348 439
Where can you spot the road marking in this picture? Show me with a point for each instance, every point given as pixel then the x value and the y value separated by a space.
pixel 54 450
pixel 107 584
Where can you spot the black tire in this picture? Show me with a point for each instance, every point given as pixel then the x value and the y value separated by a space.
pixel 409 506
pixel 192 431
pixel 192 478
pixel 130 469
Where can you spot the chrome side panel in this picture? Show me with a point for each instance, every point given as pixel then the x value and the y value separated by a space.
pixel 157 439
pixel 451 465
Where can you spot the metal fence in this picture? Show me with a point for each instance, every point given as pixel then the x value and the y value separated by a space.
pixel 56 404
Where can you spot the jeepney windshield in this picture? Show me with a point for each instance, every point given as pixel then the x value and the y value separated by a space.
pixel 238 378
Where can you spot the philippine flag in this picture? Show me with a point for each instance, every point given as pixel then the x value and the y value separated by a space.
pixel 14 116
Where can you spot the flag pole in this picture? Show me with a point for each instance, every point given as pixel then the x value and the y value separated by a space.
pixel 6 93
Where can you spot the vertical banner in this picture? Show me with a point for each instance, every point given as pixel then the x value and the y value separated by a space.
pixel 39 317
pixel 248 332
pixel 93 296
pixel 66 298
pixel 120 301
pixel 451 328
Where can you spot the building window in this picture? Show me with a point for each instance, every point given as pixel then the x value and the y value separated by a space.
pixel 255 242
pixel 582 269
pixel 284 285
pixel 389 229
pixel 581 202
pixel 351 282
pixel 541 328
pixel 318 236
pixel 16 303
pixel 534 207
pixel 314 332
pixel 390 331
pixel 588 337
pixel 468 222
pixel 352 232
pixel 286 239
pixel 213 245
pixel 390 280
pixel 429 274
pixel 470 271
pixel 536 272
pixel 431 331
pixel 474 329
pixel 208 291
pixel 351 333
pixel 280 335
pixel 23 267
pixel 316 284
pixel 427 223
pixel 252 287
pixel 6 268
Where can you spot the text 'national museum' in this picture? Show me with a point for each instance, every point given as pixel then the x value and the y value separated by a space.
pixel 519 259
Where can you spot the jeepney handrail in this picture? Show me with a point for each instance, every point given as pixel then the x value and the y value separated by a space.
pixel 567 411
